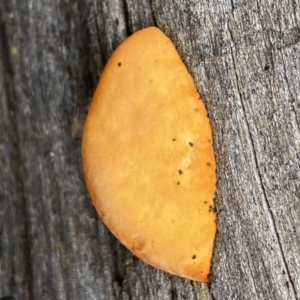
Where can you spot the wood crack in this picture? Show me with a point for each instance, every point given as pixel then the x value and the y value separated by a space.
pixel 16 159
pixel 152 12
pixel 126 17
pixel 257 170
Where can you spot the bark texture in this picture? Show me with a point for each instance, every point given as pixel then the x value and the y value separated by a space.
pixel 245 59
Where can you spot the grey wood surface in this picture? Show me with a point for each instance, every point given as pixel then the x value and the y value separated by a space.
pixel 245 59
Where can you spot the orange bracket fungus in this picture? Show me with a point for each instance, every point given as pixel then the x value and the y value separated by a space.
pixel 148 158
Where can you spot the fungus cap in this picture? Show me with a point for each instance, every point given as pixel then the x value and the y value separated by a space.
pixel 148 158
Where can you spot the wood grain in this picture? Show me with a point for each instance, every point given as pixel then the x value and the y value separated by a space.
pixel 245 59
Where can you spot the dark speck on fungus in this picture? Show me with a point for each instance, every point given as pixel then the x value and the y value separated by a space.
pixel 180 172
pixel 208 164
pixel 178 182
pixel 191 144
pixel 194 256
pixel 212 209
pixel 174 140
pixel 119 64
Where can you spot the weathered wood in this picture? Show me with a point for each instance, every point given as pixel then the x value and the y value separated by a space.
pixel 245 59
